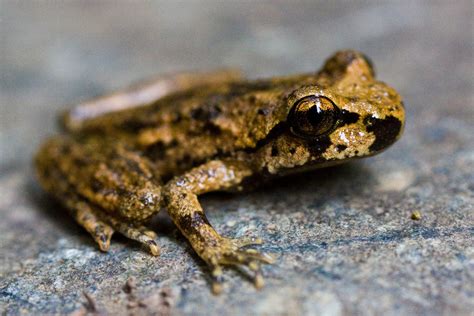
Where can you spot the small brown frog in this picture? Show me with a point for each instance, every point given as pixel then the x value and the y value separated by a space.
pixel 162 144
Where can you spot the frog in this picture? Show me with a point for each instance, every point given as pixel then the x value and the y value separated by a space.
pixel 123 157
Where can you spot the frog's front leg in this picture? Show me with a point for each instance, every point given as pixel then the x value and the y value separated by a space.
pixel 181 198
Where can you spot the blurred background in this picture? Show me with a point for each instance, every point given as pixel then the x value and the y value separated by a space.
pixel 57 53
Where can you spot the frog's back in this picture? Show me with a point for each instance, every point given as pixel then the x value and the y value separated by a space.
pixel 187 128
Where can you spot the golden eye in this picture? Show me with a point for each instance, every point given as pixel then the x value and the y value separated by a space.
pixel 313 116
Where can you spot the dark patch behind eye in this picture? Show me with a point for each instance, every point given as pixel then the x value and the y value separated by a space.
pixel 349 117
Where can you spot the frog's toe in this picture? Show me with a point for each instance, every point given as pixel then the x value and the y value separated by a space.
pixel 139 233
pixel 148 232
pixel 88 218
pixel 247 241
pixel 102 236
pixel 232 253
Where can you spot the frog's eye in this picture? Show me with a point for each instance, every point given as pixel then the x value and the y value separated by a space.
pixel 313 116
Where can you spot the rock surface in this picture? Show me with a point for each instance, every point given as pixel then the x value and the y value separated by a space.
pixel 344 237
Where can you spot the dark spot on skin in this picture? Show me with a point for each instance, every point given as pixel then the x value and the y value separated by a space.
pixel 156 151
pixel 349 117
pixel 276 131
pixel 212 129
pixel 79 162
pixel 274 152
pixel 103 238
pixel 199 114
pixel 319 145
pixel 190 224
pixel 121 190
pixel 341 147
pixel 135 125
pixel 386 131
pixel 263 111
pixel 186 160
pixel 208 111
pixel 173 143
pixel 134 166
pixel 96 185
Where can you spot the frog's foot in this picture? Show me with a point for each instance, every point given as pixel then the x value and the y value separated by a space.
pixel 232 252
pixel 102 226
pixel 139 233
pixel 100 231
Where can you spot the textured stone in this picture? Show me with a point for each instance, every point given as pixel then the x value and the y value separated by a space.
pixel 344 237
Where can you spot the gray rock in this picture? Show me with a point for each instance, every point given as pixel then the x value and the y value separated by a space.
pixel 344 237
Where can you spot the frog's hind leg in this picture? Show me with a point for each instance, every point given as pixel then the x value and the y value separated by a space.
pixel 101 229
pixel 105 190
pixel 143 94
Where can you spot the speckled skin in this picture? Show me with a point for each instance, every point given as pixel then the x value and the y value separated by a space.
pixel 117 165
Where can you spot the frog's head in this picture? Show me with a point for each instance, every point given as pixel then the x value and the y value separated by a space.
pixel 346 114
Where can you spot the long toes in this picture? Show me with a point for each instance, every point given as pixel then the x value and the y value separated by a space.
pixel 253 260
pixel 100 231
pixel 140 235
pixel 261 256
pixel 247 241
pixel 246 256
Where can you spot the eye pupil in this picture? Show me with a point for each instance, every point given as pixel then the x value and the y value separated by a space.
pixel 313 116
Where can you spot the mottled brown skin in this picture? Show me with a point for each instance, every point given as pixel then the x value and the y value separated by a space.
pixel 126 155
